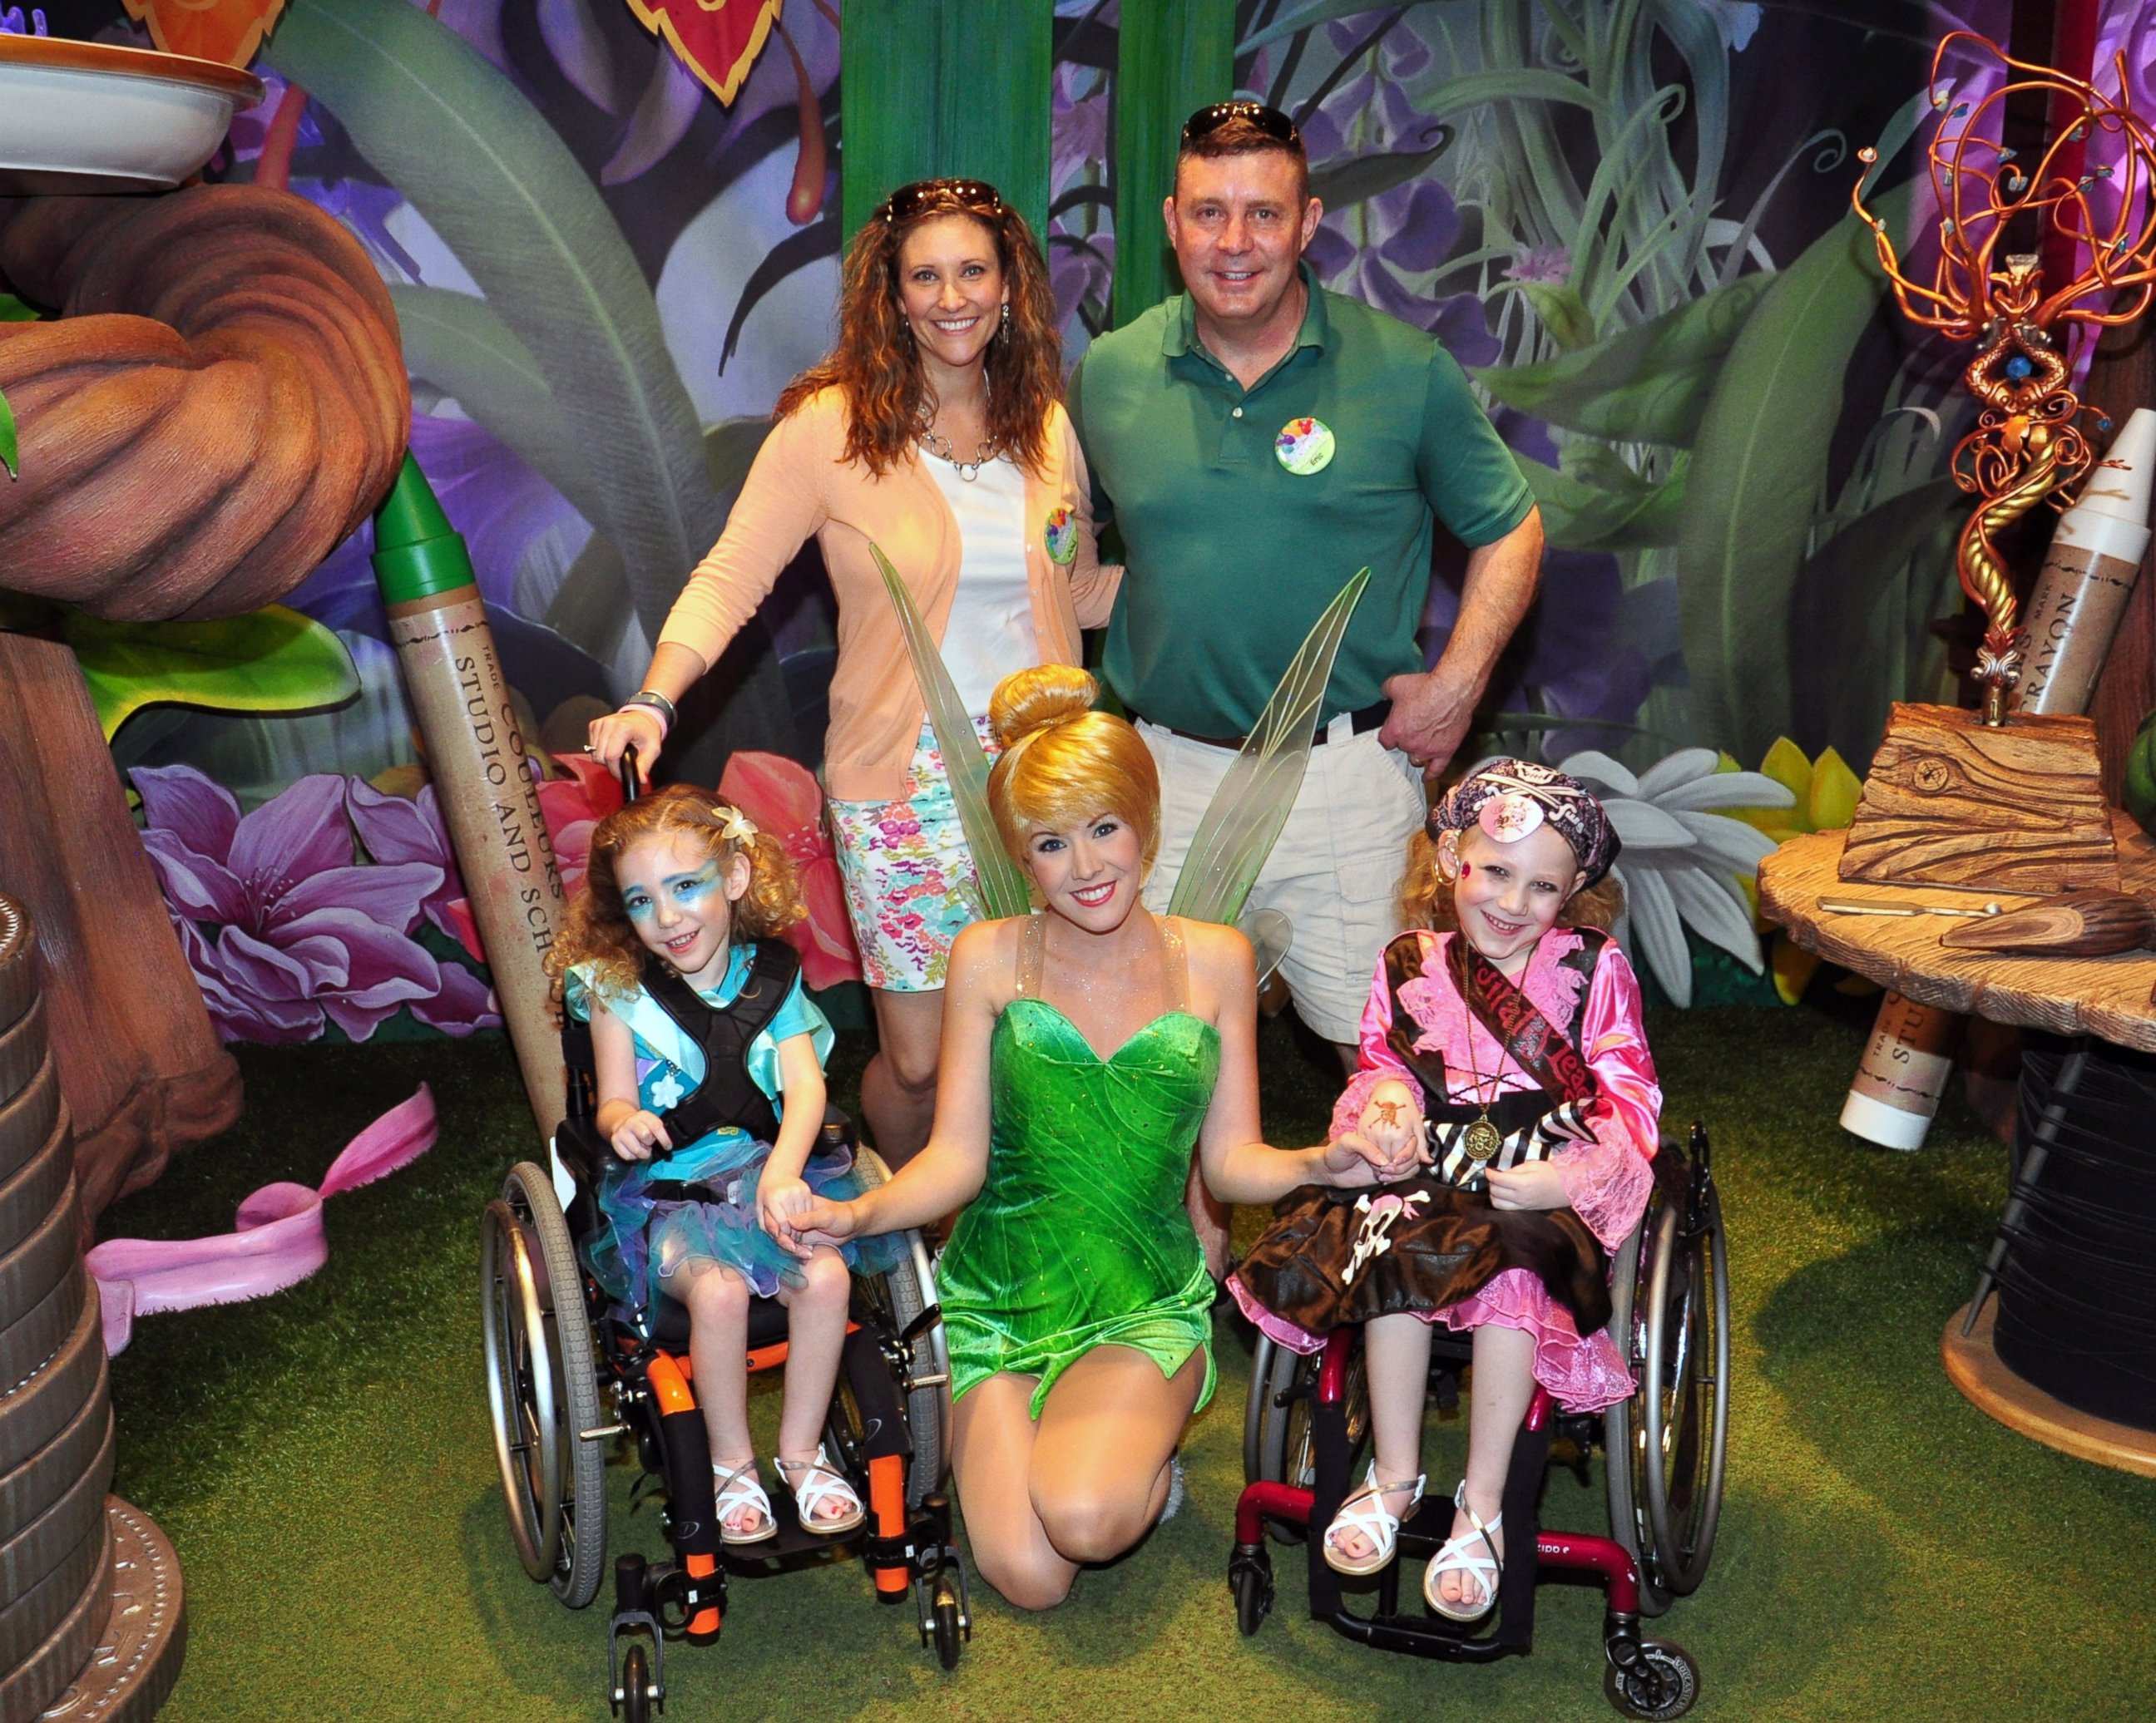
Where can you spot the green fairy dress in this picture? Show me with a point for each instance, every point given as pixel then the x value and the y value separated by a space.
pixel 1078 1237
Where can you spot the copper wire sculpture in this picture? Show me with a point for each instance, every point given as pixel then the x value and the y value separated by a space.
pixel 2028 446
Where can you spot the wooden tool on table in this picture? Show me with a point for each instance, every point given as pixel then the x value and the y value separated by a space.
pixel 2081 923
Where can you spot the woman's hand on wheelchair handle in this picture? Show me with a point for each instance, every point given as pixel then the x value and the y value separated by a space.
pixel 1532 1184
pixel 632 726
pixel 638 1135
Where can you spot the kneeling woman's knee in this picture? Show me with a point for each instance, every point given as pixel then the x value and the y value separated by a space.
pixel 1022 1582
pixel 1093 1521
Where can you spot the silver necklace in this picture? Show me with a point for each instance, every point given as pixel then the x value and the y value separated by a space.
pixel 940 447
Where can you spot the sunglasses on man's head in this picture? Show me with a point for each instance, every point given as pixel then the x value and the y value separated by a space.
pixel 923 195
pixel 1268 119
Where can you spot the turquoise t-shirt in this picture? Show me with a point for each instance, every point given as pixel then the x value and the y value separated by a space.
pixel 1231 555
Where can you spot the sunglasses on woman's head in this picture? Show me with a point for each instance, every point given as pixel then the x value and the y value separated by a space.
pixel 975 196
pixel 1270 120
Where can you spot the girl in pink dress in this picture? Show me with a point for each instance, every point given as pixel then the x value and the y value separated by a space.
pixel 1505 1082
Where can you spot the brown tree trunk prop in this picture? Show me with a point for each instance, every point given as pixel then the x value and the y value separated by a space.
pixel 222 401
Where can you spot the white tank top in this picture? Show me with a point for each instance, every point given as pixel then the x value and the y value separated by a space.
pixel 990 633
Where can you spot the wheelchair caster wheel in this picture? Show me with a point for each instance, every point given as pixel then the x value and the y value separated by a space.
pixel 636 1687
pixel 1252 1582
pixel 1663 1682
pixel 949 1635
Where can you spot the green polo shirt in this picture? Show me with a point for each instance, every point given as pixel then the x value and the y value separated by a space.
pixel 1231 557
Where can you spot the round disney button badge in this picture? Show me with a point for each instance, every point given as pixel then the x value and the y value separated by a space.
pixel 1061 534
pixel 1305 446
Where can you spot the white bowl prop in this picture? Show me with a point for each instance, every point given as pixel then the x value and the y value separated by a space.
pixel 85 117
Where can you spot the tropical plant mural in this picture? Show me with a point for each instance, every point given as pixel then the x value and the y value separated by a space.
pixel 1627 218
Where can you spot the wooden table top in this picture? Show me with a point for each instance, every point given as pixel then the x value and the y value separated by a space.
pixel 2105 997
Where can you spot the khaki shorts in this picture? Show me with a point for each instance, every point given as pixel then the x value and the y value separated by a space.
pixel 1335 873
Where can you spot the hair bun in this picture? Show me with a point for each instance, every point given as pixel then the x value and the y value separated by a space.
pixel 1030 700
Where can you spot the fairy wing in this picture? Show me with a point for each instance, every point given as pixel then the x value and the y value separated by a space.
pixel 1002 885
pixel 1247 812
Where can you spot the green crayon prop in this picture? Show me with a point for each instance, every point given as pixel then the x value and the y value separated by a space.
pixel 476 756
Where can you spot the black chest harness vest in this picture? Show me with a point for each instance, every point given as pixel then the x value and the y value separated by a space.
pixel 728 1095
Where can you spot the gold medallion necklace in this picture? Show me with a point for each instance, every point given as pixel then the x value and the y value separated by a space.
pixel 1481 1139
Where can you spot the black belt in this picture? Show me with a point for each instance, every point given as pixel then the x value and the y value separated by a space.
pixel 1369 718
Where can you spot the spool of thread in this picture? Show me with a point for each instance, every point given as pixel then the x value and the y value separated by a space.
pixel 2088 574
pixel 476 756
pixel 1902 1073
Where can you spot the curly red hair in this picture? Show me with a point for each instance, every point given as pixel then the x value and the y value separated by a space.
pixel 597 930
pixel 877 367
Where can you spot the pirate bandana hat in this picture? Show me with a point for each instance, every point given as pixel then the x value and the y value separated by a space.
pixel 1509 798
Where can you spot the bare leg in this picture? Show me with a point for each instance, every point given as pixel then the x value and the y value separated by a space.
pixel 992 1441
pixel 1083 1484
pixel 1504 1383
pixel 815 1335
pixel 1102 1461
pixel 717 1301
pixel 898 1089
pixel 1396 1357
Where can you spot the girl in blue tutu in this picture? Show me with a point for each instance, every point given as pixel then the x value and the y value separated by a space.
pixel 711 1091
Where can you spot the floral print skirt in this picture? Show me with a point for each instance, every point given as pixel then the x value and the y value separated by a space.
pixel 909 876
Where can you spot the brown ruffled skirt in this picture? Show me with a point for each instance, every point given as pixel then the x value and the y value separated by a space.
pixel 1334 1257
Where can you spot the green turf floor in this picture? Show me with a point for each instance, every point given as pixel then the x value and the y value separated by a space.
pixel 322 1461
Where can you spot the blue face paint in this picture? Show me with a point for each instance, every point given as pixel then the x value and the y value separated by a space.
pixel 691 891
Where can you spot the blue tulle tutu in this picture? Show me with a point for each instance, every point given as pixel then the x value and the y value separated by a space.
pixel 649 1241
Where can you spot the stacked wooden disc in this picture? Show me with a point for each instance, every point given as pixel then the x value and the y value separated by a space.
pixel 90 1605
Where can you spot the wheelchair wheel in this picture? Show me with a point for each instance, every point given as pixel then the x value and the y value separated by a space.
pixel 543 1387
pixel 908 1290
pixel 1661 1683
pixel 636 1687
pixel 1667 1446
pixel 1278 1445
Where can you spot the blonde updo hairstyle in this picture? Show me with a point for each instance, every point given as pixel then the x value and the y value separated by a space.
pixel 1063 763
pixel 597 929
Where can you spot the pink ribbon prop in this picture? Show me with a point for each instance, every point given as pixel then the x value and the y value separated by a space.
pixel 278 1242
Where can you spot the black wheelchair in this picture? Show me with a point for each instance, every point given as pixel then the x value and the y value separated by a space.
pixel 1305 1433
pixel 568 1371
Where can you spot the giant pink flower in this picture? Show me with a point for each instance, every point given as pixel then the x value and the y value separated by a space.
pixel 781 795
pixel 282 931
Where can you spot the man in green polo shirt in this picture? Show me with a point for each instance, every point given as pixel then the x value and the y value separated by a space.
pixel 1258 439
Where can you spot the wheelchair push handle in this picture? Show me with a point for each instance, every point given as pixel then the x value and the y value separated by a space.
pixel 626 766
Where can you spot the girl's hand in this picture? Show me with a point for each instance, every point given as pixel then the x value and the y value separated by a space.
pixel 632 726
pixel 779 1203
pixel 1392 1124
pixel 636 1136
pixel 1532 1184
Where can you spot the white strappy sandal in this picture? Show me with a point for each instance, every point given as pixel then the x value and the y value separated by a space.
pixel 740 1487
pixel 1374 1520
pixel 1455 1556
pixel 820 1483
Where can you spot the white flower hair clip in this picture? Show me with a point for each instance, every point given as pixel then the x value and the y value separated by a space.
pixel 737 828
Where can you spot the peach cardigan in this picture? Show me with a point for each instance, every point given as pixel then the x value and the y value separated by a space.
pixel 801 484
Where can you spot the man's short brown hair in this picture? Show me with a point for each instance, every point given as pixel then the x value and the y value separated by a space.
pixel 1240 137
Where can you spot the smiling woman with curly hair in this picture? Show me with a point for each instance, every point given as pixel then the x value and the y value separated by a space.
pixel 935 431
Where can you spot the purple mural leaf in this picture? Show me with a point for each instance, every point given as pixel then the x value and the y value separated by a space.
pixel 392 829
pixel 573 37
pixel 392 895
pixel 667 110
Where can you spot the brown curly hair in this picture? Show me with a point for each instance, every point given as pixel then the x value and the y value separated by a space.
pixel 1425 898
pixel 597 930
pixel 877 367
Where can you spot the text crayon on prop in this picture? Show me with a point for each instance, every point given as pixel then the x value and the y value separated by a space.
pixel 1902 1075
pixel 475 756
pixel 2088 574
